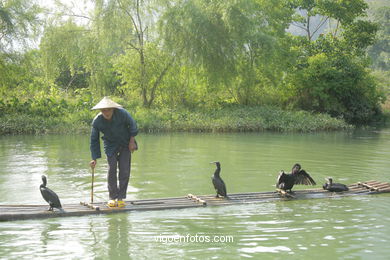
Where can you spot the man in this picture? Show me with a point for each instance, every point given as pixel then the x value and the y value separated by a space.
pixel 119 130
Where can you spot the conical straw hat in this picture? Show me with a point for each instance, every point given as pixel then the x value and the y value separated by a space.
pixel 106 102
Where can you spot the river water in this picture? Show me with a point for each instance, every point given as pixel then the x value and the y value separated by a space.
pixel 170 165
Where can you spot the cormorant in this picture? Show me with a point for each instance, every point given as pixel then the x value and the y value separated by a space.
pixel 334 187
pixel 297 176
pixel 50 196
pixel 218 183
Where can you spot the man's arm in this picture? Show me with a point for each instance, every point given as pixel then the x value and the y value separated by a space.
pixel 95 146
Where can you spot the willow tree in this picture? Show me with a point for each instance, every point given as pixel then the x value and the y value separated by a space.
pixel 19 23
pixel 63 55
pixel 140 64
pixel 235 43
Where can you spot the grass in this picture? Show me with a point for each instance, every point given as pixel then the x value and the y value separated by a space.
pixel 227 119
pixel 237 119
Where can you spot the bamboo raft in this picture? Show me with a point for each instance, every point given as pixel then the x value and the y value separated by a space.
pixel 20 212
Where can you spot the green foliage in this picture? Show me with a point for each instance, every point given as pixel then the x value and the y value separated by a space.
pixel 383 80
pixel 216 34
pixel 23 124
pixel 331 75
pixel 18 21
pixel 41 107
pixel 140 63
pixel 20 74
pixel 184 86
pixel 359 35
pixel 58 114
pixel 237 45
pixel 45 113
pixel 315 16
pixel 176 62
pixel 344 11
pixel 155 64
pixel 235 119
pixel 339 85
pixel 380 50
pixel 63 55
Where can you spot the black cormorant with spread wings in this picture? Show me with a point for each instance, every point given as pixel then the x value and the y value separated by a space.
pixel 286 181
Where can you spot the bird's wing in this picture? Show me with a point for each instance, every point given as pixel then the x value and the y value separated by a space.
pixel 302 177
pixel 214 181
pixel 223 188
pixel 219 186
pixel 224 191
pixel 54 198
pixel 281 179
pixel 45 194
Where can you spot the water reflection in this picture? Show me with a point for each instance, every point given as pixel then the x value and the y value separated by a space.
pixel 47 234
pixel 118 237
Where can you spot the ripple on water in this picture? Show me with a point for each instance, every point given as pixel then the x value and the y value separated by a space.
pixel 353 226
pixel 265 249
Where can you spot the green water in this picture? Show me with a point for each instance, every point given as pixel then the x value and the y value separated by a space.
pixel 169 165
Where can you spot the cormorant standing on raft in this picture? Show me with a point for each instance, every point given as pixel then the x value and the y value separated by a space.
pixel 297 176
pixel 218 183
pixel 50 196
pixel 334 187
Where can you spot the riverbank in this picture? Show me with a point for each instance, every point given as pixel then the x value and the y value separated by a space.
pixel 226 119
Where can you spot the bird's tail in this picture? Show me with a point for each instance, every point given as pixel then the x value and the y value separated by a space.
pixel 61 210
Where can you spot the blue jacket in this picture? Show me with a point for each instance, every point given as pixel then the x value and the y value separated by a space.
pixel 117 132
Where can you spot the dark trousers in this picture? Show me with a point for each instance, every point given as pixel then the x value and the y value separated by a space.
pixel 121 160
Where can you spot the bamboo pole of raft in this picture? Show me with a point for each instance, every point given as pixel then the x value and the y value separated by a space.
pixel 384 190
pixel 285 193
pixel 97 208
pixel 195 198
pixel 93 175
pixel 381 184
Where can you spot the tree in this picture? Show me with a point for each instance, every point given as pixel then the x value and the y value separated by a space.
pixel 63 55
pixel 338 84
pixel 332 73
pixel 380 50
pixel 144 71
pixel 315 16
pixel 235 43
pixel 18 22
pixel 128 26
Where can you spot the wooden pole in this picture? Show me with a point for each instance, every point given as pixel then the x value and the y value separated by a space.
pixel 93 175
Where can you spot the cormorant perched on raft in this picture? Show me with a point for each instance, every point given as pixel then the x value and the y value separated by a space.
pixel 297 176
pixel 334 187
pixel 218 183
pixel 50 196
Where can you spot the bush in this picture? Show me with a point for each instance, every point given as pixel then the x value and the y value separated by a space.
pixel 338 85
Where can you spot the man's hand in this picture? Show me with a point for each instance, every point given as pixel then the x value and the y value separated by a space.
pixel 132 144
pixel 92 164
